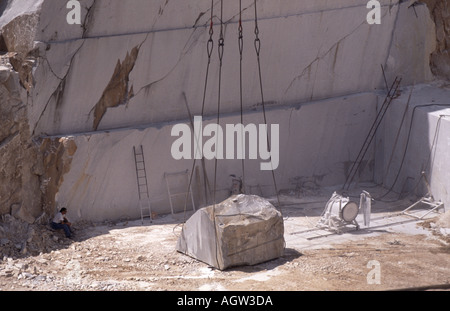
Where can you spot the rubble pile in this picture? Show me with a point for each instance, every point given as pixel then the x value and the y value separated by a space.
pixel 19 238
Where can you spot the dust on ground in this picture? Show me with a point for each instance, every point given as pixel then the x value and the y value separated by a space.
pixel 135 256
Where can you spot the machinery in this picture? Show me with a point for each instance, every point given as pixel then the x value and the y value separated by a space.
pixel 340 212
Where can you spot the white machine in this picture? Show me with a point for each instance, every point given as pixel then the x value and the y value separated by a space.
pixel 340 212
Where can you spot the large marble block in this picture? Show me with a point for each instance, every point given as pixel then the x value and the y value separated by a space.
pixel 242 230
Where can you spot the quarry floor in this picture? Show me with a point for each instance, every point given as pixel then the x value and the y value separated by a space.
pixel 131 256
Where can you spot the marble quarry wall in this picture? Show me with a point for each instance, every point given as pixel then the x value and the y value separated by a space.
pixel 414 140
pixel 132 70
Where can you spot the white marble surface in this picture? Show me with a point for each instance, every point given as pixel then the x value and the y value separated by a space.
pixel 321 67
pixel 310 50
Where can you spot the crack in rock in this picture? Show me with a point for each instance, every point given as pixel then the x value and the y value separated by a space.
pixel 59 91
pixel 87 20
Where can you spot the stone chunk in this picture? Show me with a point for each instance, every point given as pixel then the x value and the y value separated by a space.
pixel 242 230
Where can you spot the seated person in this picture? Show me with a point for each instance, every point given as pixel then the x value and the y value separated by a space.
pixel 60 222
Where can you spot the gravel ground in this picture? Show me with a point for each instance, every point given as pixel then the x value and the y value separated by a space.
pixel 130 256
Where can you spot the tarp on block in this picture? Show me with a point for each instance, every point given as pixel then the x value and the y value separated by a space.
pixel 242 230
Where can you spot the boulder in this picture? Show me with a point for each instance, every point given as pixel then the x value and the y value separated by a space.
pixel 242 230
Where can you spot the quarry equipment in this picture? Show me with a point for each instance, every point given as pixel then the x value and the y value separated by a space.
pixel 355 168
pixel 339 213
pixel 428 199
pixel 142 184
pixel 177 177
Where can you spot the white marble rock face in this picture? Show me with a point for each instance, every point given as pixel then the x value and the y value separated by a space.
pixel 154 54
pixel 128 73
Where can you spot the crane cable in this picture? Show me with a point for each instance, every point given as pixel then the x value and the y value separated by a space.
pixel 221 52
pixel 221 45
pixel 209 48
pixel 241 50
pixel 258 57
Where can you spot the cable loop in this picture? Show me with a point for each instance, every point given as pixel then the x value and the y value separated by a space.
pixel 210 47
pixel 258 46
pixel 241 45
pixel 221 48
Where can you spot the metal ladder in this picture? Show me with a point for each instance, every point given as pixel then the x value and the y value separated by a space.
pixel 370 136
pixel 142 183
pixel 428 199
pixel 185 173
